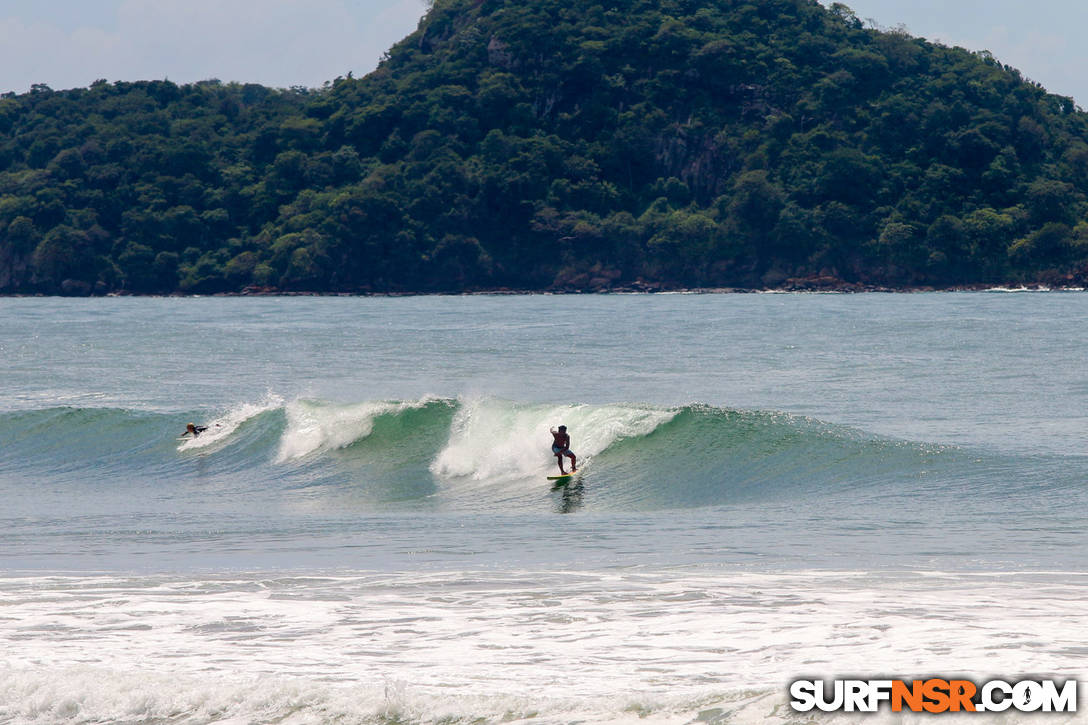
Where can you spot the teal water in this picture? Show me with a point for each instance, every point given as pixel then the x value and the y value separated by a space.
pixel 989 369
pixel 375 465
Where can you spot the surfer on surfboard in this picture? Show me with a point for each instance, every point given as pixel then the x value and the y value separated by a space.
pixel 194 430
pixel 561 447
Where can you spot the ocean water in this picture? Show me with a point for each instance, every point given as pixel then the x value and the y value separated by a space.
pixel 772 487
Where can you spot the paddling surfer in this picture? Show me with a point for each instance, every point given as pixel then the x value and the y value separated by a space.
pixel 194 430
pixel 561 447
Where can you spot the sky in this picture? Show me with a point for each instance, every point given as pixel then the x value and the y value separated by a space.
pixel 282 43
pixel 1043 39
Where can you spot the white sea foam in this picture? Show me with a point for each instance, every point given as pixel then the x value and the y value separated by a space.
pixel 650 647
pixel 1021 288
pixel 495 440
pixel 314 425
pixel 222 427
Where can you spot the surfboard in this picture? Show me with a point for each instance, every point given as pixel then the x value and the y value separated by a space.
pixel 564 477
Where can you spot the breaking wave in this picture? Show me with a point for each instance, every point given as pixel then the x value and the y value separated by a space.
pixel 455 452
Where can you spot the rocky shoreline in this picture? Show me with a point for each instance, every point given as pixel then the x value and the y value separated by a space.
pixel 814 285
pixel 624 290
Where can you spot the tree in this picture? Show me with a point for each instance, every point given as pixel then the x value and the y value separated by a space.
pixel 537 144
pixel 64 254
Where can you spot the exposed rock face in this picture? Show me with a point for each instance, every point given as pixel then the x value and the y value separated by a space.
pixel 498 53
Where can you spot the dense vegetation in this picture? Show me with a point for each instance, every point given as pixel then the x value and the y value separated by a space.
pixel 556 144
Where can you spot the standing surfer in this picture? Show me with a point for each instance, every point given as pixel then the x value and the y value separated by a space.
pixel 561 447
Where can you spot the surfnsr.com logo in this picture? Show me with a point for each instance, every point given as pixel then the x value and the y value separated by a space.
pixel 934 695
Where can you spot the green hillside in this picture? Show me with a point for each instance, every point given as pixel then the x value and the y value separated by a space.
pixel 560 145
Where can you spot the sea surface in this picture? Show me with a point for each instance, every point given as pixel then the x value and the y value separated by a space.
pixel 772 486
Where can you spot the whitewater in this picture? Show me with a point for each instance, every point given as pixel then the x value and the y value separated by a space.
pixel 772 487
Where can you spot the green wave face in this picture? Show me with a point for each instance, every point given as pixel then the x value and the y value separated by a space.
pixel 443 454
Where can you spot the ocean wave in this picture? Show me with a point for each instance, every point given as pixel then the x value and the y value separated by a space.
pixel 100 695
pixel 492 440
pixel 474 451
pixel 629 646
pixel 314 426
pixel 221 428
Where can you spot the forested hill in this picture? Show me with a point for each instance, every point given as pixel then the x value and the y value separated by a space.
pixel 559 144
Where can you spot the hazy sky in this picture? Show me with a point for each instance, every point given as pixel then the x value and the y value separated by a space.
pixel 67 43
pixel 1044 39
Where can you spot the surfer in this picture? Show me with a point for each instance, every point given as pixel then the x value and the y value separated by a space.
pixel 194 429
pixel 561 447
